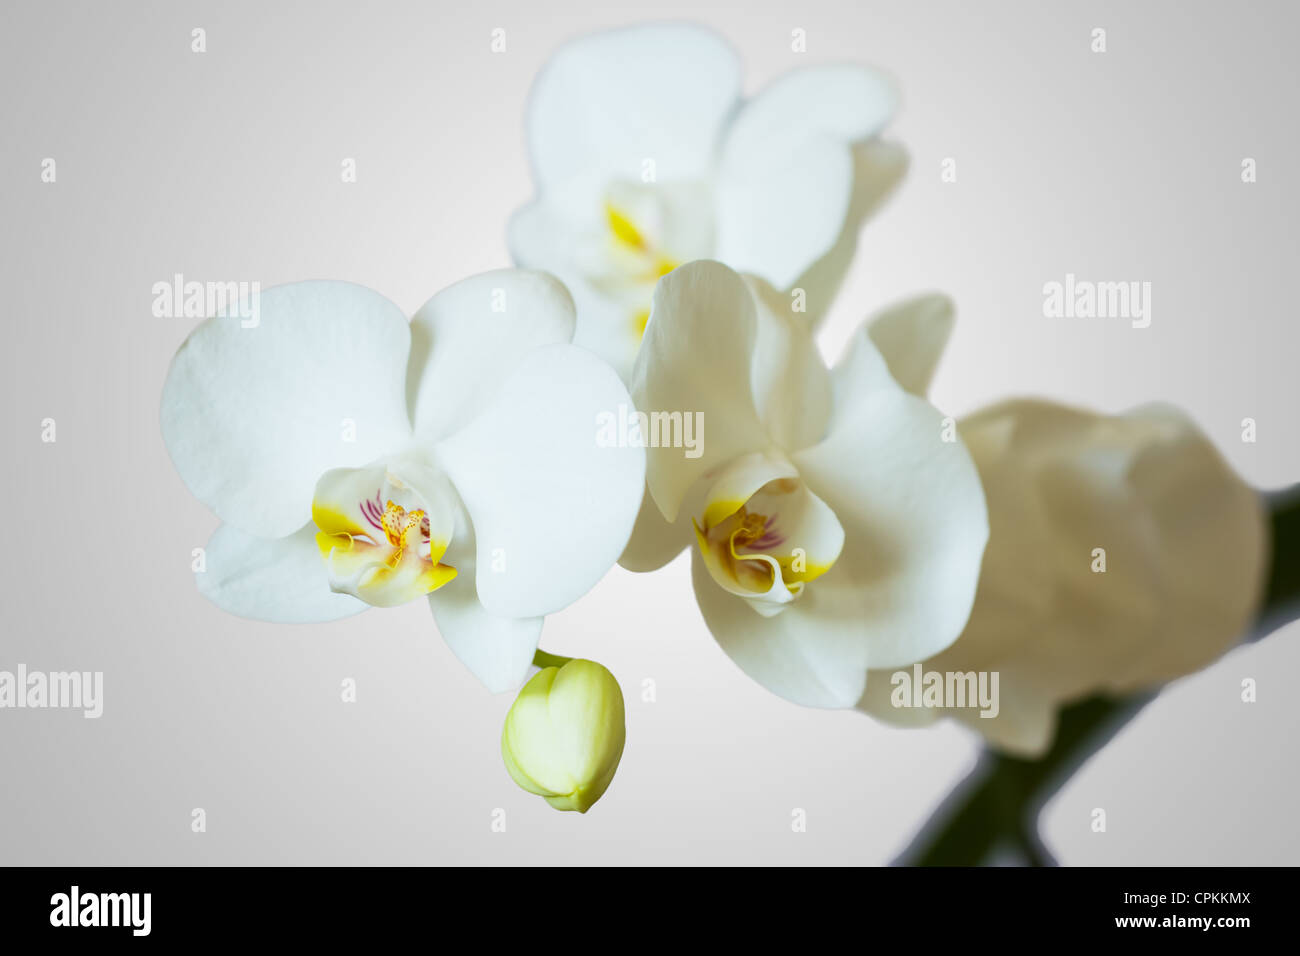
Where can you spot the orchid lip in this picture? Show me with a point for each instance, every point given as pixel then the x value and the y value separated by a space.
pixel 380 537
pixel 763 535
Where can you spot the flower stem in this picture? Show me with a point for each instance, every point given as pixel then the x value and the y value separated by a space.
pixel 544 660
pixel 992 815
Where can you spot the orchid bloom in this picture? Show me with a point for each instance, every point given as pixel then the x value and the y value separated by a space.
pixel 357 459
pixel 645 157
pixel 1123 553
pixel 837 526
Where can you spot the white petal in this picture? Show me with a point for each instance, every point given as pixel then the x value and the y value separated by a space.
pixel 497 650
pixel 878 701
pixel 791 187
pixel 911 507
pixel 1024 726
pixel 470 337
pixel 608 102
pixel 911 337
pixel 654 541
pixel 784 209
pixel 696 359
pixel 878 166
pixel 845 102
pixel 791 384
pixel 548 503
pixel 253 416
pixel 812 653
pixel 281 580
pixel 611 255
pixel 541 237
pixel 1214 540
pixel 1184 538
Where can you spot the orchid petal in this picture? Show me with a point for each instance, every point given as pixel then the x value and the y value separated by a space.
pixel 271 579
pixel 497 650
pixel 696 359
pixel 1154 493
pixel 791 384
pixel 878 701
pixel 912 509
pixel 783 210
pixel 788 184
pixel 878 167
pixel 607 103
pixel 252 416
pixel 654 541
pixel 812 652
pixel 551 508
pixel 843 101
pixel 469 337
pixel 911 337
pixel 542 237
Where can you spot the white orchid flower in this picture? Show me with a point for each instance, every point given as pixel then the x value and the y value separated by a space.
pixel 838 528
pixel 358 459
pixel 645 157
pixel 1123 553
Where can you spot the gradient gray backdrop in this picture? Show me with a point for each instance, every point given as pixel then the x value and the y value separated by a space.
pixel 225 166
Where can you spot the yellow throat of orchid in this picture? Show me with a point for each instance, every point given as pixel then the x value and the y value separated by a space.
pixel 645 263
pixel 766 546
pixel 373 547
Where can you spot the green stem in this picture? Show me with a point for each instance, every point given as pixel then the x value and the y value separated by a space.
pixel 992 815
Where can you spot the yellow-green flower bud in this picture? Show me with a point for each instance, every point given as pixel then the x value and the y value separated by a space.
pixel 564 734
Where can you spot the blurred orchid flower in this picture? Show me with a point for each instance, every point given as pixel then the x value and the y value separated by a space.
pixel 1123 553
pixel 838 528
pixel 645 157
pixel 357 459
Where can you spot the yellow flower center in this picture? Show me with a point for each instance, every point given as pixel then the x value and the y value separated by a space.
pixel 399 524
pixel 765 545
pixel 645 263
pixel 383 554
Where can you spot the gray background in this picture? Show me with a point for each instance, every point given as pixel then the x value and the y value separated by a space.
pixel 225 166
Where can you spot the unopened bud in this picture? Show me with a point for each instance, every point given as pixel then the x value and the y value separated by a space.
pixel 564 735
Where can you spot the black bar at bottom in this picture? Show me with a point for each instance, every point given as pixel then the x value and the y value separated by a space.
pixel 571 906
